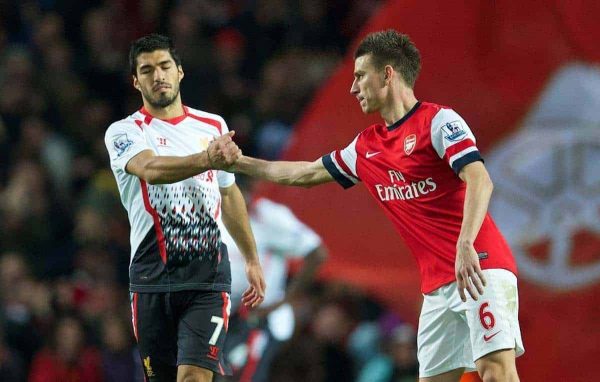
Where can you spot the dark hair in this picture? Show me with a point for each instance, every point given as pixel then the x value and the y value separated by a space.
pixel 149 44
pixel 392 48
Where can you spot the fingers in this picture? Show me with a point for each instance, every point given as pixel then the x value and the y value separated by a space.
pixel 252 297
pixel 470 288
pixel 477 279
pixel 481 276
pixel 223 151
pixel 473 280
pixel 461 287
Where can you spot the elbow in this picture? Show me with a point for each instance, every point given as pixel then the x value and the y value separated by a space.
pixel 152 180
pixel 151 177
pixel 489 185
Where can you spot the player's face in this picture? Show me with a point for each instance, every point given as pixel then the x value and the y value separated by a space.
pixel 369 84
pixel 158 78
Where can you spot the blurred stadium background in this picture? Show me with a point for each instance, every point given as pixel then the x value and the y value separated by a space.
pixel 524 74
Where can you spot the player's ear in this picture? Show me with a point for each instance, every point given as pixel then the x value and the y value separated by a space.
pixel 388 74
pixel 136 83
pixel 180 70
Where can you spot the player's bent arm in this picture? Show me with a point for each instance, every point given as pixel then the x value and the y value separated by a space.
pixel 304 174
pixel 167 169
pixel 477 197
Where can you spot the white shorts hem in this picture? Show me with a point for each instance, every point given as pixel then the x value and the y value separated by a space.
pixel 518 351
pixel 445 369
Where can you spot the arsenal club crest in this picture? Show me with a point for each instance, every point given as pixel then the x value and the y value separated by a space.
pixel 409 143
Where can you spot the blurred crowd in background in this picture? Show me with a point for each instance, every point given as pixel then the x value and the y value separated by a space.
pixel 64 236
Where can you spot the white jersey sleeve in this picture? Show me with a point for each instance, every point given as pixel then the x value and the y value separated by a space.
pixel 124 140
pixel 453 140
pixel 224 178
pixel 287 236
pixel 341 164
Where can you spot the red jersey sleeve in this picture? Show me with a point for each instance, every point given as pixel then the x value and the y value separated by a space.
pixel 453 140
pixel 341 164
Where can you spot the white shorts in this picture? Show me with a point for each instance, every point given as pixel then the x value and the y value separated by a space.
pixel 454 334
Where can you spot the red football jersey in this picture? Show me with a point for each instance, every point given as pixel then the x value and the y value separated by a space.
pixel 411 169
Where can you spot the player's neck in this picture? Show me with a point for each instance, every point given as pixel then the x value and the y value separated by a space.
pixel 398 106
pixel 171 111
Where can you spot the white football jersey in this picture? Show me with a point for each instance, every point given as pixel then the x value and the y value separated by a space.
pixel 175 237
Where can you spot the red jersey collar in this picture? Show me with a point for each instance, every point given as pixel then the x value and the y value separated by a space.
pixel 172 121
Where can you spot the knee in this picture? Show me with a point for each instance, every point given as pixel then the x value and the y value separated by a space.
pixel 194 375
pixel 497 373
pixel 192 378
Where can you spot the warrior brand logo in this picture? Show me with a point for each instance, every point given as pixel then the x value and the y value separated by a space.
pixel 121 144
pixel 162 141
pixel 213 353
pixel 409 143
pixel 454 131
pixel 406 191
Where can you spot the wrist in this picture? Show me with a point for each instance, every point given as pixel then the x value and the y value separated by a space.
pixel 252 262
pixel 208 159
pixel 464 243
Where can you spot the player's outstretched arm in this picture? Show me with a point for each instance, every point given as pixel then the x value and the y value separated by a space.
pixel 304 174
pixel 154 169
pixel 235 218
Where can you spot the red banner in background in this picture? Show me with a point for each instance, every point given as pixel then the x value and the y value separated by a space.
pixel 491 62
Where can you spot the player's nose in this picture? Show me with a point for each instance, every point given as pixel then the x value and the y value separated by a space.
pixel 159 75
pixel 354 88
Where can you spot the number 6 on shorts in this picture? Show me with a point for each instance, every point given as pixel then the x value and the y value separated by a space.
pixel 219 321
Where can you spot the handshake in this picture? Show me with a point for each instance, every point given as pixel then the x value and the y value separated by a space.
pixel 223 152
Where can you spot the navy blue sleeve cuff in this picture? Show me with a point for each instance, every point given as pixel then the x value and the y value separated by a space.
pixel 471 157
pixel 337 175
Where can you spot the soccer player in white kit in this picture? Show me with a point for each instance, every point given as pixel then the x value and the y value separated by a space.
pixel 423 168
pixel 167 160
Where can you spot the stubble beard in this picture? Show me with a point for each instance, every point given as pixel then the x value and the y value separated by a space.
pixel 163 100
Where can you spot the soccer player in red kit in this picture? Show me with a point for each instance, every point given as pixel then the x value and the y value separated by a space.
pixel 423 168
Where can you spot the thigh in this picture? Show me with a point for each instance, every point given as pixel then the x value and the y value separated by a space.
pixel 493 318
pixel 203 324
pixel 155 331
pixel 443 338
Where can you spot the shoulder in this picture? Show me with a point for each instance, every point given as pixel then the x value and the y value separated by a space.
pixel 123 126
pixel 206 117
pixel 439 112
pixel 374 129
pixel 433 110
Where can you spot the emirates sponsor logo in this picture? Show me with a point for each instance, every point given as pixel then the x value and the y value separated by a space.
pixel 400 189
pixel 409 143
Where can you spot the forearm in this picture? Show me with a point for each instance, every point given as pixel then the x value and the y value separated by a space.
pixel 298 173
pixel 477 197
pixel 172 169
pixel 235 218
